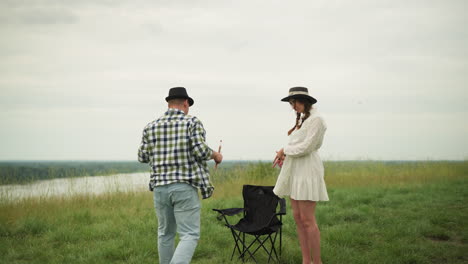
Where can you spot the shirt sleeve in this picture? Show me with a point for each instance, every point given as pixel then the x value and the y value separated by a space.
pixel 315 130
pixel 199 148
pixel 143 155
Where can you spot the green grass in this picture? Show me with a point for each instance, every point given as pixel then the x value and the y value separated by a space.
pixel 378 213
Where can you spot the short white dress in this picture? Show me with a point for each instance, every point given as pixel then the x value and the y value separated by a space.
pixel 302 174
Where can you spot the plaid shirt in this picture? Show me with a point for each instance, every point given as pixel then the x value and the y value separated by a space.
pixel 174 146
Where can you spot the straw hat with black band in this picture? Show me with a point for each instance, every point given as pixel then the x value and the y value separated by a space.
pixel 299 93
pixel 179 92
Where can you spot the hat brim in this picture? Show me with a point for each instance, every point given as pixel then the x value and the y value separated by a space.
pixel 190 100
pixel 300 96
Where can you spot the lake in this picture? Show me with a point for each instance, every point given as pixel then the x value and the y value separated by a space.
pixel 75 186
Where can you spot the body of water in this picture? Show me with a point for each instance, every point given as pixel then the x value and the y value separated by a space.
pixel 75 186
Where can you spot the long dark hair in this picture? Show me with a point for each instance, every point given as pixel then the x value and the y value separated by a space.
pixel 299 122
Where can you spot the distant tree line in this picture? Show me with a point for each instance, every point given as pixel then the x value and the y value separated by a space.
pixel 12 172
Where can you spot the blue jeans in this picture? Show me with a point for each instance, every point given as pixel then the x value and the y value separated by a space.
pixel 178 210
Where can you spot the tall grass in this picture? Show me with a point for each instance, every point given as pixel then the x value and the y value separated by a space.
pixel 383 173
pixel 345 174
pixel 379 212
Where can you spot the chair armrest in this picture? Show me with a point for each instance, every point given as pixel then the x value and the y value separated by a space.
pixel 229 211
pixel 282 203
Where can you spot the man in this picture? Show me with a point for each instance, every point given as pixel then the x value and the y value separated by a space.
pixel 174 146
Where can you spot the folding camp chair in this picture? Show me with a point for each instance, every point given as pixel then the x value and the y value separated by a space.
pixel 260 220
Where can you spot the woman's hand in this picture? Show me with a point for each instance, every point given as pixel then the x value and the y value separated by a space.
pixel 279 158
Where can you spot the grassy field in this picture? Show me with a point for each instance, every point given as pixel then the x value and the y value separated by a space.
pixel 379 212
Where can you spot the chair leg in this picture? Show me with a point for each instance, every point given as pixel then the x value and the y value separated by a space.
pixel 257 238
pixel 247 249
pixel 273 250
pixel 281 234
pixel 237 239
pixel 243 245
pixel 262 244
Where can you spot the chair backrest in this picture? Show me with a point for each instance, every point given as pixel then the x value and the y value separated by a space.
pixel 260 205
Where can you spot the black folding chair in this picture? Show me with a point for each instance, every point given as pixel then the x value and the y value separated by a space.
pixel 260 221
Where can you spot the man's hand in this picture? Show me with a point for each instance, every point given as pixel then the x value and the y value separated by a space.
pixel 218 157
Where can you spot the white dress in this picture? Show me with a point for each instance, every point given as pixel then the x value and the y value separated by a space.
pixel 302 174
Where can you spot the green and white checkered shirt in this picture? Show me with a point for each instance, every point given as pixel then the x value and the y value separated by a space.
pixel 174 146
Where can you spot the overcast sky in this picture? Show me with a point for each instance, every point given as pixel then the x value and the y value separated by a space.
pixel 80 79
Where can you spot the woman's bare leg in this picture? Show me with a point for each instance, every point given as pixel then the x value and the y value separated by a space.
pixel 301 233
pixel 304 215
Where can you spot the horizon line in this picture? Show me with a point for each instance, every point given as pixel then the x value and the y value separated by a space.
pixel 232 160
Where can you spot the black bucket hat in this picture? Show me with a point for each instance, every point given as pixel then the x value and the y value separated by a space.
pixel 179 92
pixel 299 93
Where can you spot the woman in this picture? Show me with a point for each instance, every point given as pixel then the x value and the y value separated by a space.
pixel 301 176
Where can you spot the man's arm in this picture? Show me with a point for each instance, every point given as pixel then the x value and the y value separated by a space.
pixel 199 148
pixel 143 156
